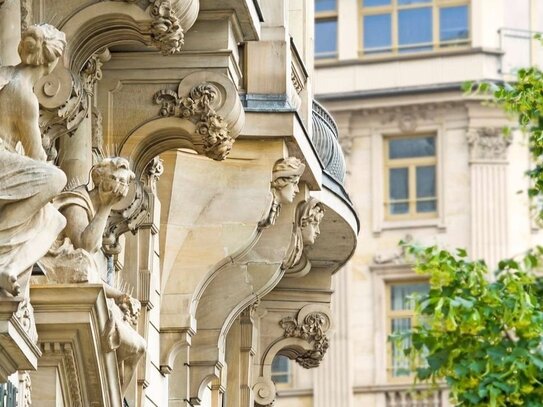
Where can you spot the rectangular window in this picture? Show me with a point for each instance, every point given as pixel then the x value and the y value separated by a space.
pixel 281 373
pixel 325 29
pixel 403 26
pixel 400 318
pixel 410 176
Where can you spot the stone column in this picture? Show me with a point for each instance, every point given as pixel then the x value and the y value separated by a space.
pixel 488 173
pixel 333 381
pixel 10 31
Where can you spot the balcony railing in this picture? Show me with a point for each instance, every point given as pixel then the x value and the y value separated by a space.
pixel 325 140
pixel 414 398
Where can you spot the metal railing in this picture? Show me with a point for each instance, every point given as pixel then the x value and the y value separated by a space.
pixel 325 141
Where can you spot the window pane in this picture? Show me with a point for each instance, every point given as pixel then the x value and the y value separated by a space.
pixel 399 208
pixel 398 184
pixel 372 3
pixel 404 2
pixel 412 147
pixel 325 5
pixel 426 181
pixel 400 362
pixel 377 33
pixel 281 369
pixel 453 23
pixel 427 206
pixel 400 295
pixel 325 38
pixel 415 27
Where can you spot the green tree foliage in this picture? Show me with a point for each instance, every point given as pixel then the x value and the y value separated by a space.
pixel 484 336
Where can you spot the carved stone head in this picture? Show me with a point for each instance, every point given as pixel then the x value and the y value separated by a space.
pixel 112 175
pixel 41 44
pixel 309 217
pixel 285 177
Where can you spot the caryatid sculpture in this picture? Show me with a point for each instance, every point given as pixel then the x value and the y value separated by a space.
pixel 29 224
pixel 286 174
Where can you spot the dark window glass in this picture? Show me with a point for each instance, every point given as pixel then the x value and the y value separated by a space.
pixel 399 189
pixel 280 369
pixel 377 33
pixel 426 181
pixel 453 23
pixel 373 3
pixel 325 5
pixel 325 38
pixel 415 27
pixel 412 147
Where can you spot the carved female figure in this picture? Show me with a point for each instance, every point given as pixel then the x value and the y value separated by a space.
pixel 28 223
pixel 286 174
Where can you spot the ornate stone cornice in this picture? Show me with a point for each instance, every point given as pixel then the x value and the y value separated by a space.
pixel 204 105
pixel 488 143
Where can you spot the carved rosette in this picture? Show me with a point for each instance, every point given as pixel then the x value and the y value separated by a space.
pixel 488 143
pixel 212 105
pixel 166 31
pixel 311 330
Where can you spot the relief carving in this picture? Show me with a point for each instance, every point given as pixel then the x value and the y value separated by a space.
pixel 312 330
pixel 199 107
pixel 71 258
pixel 29 224
pixel 488 143
pixel 308 217
pixel 166 30
pixel 25 389
pixel 286 174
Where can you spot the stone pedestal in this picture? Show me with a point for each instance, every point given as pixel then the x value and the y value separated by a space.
pixel 18 350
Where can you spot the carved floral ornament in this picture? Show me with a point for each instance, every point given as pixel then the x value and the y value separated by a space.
pixel 212 105
pixel 488 143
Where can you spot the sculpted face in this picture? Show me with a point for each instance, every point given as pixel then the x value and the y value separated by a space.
pixel 311 231
pixel 112 177
pixel 288 192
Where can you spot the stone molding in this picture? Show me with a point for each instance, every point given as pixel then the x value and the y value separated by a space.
pixel 201 106
pixel 488 143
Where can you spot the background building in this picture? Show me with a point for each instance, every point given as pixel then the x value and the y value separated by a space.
pixel 206 245
pixel 424 163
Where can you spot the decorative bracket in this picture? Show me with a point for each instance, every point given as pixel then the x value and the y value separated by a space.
pixel 212 104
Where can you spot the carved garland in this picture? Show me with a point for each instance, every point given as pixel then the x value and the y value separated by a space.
pixel 198 107
pixel 312 330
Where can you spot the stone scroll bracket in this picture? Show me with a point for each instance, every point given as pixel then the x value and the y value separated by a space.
pixel 304 339
pixel 211 102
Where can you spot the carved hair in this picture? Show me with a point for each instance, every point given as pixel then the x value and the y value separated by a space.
pixel 286 171
pixel 41 44
pixel 310 211
pixel 107 166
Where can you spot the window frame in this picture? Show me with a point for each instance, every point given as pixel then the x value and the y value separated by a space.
pixel 393 9
pixel 411 164
pixel 389 315
pixel 382 276
pixel 289 373
pixel 328 15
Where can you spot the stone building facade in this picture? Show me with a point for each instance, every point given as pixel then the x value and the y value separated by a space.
pixel 172 201
pixel 424 162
